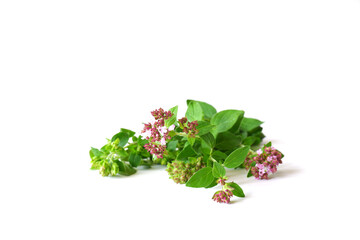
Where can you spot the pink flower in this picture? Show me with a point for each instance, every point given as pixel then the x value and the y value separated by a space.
pixel 223 196
pixel 266 162
pixel 171 128
pixel 157 133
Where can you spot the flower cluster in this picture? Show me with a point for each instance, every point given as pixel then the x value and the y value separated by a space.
pixel 157 133
pixel 264 162
pixel 223 196
pixel 189 127
pixel 181 172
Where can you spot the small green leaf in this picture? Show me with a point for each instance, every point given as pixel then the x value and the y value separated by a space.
pixel 134 159
pixel 268 144
pixel 249 124
pixel 237 189
pixel 188 151
pixel 123 138
pixel 194 112
pixel 94 152
pixel 204 127
pixel 171 146
pixel 172 119
pixel 249 174
pixel 225 120
pixel 124 168
pixel 207 143
pixel 201 178
pixel 250 140
pixel 208 139
pixel 237 157
pixel 218 170
pixel 227 141
pixel 218 155
pixel 191 140
pixel 207 109
pixel 129 132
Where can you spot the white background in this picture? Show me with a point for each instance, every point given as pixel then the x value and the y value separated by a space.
pixel 73 72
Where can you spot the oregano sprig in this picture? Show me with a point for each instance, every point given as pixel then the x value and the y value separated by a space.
pixel 197 149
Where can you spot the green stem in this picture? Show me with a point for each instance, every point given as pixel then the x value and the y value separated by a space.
pixel 212 159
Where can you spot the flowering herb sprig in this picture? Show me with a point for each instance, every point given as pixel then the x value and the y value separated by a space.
pixel 196 148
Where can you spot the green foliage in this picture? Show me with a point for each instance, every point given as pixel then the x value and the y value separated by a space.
pixel 171 146
pixel 186 152
pixel 206 110
pixel 225 120
pixel 207 143
pixel 218 170
pixel 237 157
pixel 249 124
pixel 124 135
pixel 219 156
pixel 201 178
pixel 227 141
pixel 204 127
pixel 172 119
pixel 194 111
pixel 134 159
pixel 237 189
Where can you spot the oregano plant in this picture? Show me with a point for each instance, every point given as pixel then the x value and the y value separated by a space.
pixel 197 149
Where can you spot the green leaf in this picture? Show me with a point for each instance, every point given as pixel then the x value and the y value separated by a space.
pixel 123 138
pixel 207 143
pixel 237 157
pixel 268 144
pixel 191 140
pixel 129 132
pixel 225 120
pixel 124 168
pixel 204 127
pixel 208 139
pixel 249 174
pixel 249 124
pixel 171 146
pixel 172 119
pixel 194 112
pixel 207 109
pixel 212 184
pixel 236 127
pixel 218 155
pixel 237 189
pixel 201 178
pixel 94 152
pixel 122 153
pixel 218 170
pixel 134 159
pixel 188 151
pixel 250 140
pixel 227 141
